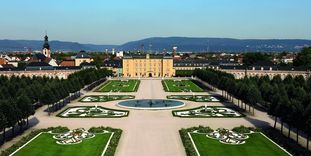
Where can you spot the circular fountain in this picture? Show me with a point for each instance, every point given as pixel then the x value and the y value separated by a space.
pixel 153 104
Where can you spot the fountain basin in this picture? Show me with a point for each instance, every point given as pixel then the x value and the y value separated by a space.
pixel 151 104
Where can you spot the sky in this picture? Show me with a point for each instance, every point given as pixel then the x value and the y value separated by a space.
pixel 120 21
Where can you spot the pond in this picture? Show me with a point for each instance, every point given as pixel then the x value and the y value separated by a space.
pixel 151 104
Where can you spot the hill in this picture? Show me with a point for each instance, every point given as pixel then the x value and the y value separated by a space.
pixel 21 45
pixel 217 44
pixel 166 43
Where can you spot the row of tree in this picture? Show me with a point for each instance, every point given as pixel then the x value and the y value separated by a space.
pixel 287 100
pixel 19 94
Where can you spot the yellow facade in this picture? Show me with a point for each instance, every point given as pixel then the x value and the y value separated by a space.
pixel 78 61
pixel 148 66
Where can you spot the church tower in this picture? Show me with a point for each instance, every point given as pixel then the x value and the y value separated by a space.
pixel 46 47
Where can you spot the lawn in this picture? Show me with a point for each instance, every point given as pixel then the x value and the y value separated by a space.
pixel 120 86
pixel 45 145
pixel 181 86
pixel 256 145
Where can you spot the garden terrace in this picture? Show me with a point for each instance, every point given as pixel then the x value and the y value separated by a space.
pixel 119 86
pixel 181 86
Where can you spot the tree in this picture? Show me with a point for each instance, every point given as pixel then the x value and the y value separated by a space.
pixel 47 97
pixel 253 96
pixel 250 59
pixel 297 110
pixel 11 113
pixel 3 125
pixel 243 90
pixel 274 108
pixel 304 58
pixel 266 91
pixel 307 128
pixel 26 107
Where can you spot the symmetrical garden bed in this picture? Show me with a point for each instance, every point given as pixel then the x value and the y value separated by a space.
pixel 96 142
pixel 180 86
pixel 105 98
pixel 119 86
pixel 240 141
pixel 92 112
pixel 208 112
pixel 195 98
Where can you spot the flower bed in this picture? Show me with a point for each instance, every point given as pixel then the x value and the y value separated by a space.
pixel 209 112
pixel 105 98
pixel 195 98
pixel 92 112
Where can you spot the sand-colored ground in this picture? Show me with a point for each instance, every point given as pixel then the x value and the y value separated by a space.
pixel 147 132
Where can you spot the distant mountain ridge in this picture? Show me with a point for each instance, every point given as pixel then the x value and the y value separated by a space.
pixel 22 45
pixel 217 44
pixel 166 43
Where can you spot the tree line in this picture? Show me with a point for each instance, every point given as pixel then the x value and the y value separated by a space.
pixel 19 94
pixel 287 100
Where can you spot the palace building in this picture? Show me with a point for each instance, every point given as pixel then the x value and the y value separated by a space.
pixel 148 66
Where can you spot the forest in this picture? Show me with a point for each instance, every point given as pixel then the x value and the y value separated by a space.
pixel 19 94
pixel 288 100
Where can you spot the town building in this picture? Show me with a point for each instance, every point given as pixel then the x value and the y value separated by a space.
pixel 82 57
pixel 43 59
pixel 115 66
pixel 190 64
pixel 2 61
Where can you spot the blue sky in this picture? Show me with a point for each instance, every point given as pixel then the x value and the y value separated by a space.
pixel 119 21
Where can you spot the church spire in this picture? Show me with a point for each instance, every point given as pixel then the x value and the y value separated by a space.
pixel 46 46
pixel 46 42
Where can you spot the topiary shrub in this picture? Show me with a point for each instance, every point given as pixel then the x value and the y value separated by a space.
pixel 58 129
pixel 243 129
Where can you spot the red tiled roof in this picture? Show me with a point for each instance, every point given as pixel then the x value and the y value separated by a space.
pixel 67 63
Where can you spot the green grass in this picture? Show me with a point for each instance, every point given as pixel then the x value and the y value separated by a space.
pixel 45 145
pixel 180 86
pixel 256 145
pixel 120 86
